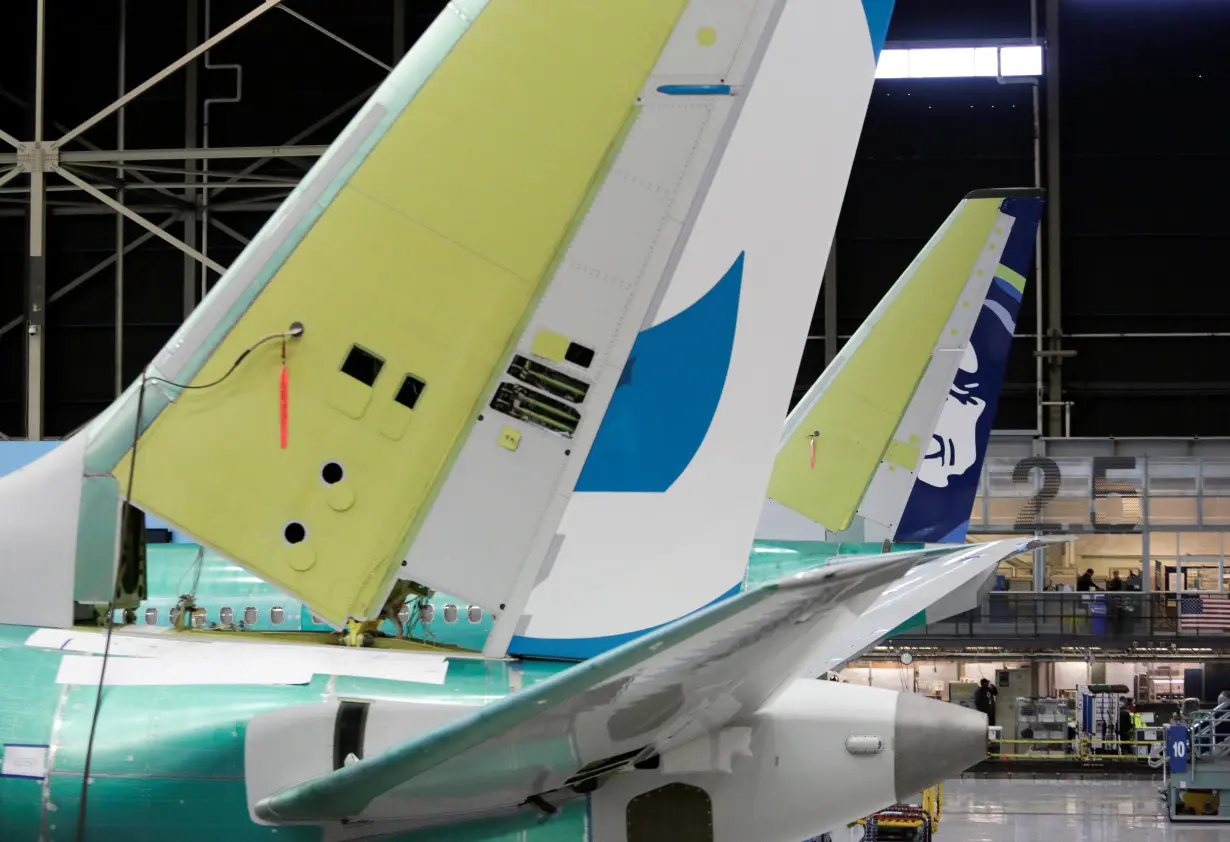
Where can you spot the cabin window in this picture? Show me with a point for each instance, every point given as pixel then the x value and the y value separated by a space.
pixel 474 614
pixel 277 615
pixel 427 613
pixel 130 616
pixel 410 392
pixel 362 365
pixel 250 616
pixel 227 616
pixel 317 620
pixel 199 616
pixel 151 616
pixel 403 613
pixel 450 613
pixel 174 616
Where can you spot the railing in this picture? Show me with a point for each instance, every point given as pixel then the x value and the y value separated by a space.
pixel 1210 732
pixel 1085 618
pixel 1081 748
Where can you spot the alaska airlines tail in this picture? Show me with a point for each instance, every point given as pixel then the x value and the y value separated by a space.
pixel 942 498
pixel 666 506
pixel 926 366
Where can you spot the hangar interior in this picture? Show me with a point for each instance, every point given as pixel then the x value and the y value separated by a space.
pixel 144 144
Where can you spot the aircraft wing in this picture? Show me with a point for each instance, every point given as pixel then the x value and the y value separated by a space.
pixel 926 587
pixel 631 703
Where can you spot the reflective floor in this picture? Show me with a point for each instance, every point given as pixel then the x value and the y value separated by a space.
pixel 1063 811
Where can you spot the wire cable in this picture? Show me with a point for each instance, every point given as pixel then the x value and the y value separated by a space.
pixel 295 329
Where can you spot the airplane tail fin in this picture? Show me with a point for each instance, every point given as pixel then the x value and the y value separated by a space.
pixel 925 367
pixel 938 509
pixel 666 505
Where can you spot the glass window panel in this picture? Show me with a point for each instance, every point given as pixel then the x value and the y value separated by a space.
pixel 1173 477
pixel 1215 477
pixel 1215 511
pixel 1173 511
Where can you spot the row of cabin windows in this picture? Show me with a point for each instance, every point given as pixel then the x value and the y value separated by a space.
pixel 277 615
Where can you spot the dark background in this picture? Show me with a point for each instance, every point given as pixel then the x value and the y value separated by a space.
pixel 1144 152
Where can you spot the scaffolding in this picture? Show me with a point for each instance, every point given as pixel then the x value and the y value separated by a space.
pixel 172 194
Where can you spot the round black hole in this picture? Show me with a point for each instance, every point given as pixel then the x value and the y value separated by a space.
pixel 294 532
pixel 480 418
pixel 332 472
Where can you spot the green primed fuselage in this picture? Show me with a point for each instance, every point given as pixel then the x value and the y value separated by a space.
pixel 223 585
pixel 168 761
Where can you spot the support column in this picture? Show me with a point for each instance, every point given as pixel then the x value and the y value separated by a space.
pixel 121 115
pixel 1054 280
pixel 191 126
pixel 399 30
pixel 36 268
pixel 830 306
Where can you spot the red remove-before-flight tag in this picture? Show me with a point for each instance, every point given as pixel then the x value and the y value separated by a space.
pixel 284 405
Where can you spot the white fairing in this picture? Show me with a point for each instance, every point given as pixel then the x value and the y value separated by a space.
pixel 774 198
pixel 799 778
pixel 40 503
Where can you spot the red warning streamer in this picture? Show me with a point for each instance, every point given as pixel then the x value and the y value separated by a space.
pixel 284 399
pixel 813 454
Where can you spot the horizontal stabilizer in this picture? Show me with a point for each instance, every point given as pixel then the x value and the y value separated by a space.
pixel 923 587
pixel 650 695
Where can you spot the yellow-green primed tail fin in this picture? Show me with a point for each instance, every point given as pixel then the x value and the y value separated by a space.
pixel 413 254
pixel 853 445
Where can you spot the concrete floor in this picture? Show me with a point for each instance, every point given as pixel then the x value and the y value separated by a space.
pixel 1063 811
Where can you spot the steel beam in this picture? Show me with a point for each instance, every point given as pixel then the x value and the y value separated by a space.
pixel 121 115
pixel 137 218
pixel 399 30
pixel 9 175
pixel 229 231
pixel 36 261
pixel 192 103
pixel 321 123
pixel 830 306
pixel 1054 277
pixel 168 70
pixel 11 141
pixel 98 267
pixel 339 39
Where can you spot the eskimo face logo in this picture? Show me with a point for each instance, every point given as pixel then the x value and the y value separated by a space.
pixel 954 444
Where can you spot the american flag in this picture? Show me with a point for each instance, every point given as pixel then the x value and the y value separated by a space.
pixel 1210 612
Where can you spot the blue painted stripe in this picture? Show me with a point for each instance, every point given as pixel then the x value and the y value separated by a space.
pixel 584 648
pixel 665 401
pixel 695 90
pixel 1008 288
pixel 879 13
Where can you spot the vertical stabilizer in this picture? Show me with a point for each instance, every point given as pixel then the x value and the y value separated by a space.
pixel 666 506
pixel 430 258
pixel 853 448
pixel 943 495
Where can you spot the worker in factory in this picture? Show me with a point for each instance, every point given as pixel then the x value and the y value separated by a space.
pixel 1127 727
pixel 984 700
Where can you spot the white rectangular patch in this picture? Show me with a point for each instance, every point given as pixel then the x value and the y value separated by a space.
pixel 86 670
pixel 22 761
